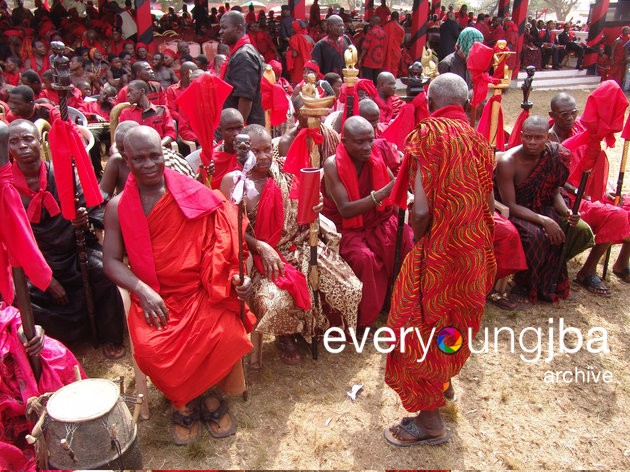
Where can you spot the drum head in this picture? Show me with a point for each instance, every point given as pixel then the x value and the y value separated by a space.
pixel 84 400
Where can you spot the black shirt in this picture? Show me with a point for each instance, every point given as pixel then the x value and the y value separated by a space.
pixel 244 72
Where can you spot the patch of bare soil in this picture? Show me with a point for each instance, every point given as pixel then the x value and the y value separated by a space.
pixel 507 416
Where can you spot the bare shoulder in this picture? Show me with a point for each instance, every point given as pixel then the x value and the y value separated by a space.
pixel 506 159
pixel 330 164
pixel 111 210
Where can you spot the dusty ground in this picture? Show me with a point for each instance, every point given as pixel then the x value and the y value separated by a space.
pixel 507 416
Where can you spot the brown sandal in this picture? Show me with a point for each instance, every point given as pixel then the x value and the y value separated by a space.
pixel 185 428
pixel 502 301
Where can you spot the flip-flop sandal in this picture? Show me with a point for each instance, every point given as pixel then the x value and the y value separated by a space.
pixel 593 284
pixel 220 423
pixel 623 275
pixel 502 301
pixel 186 424
pixel 109 351
pixel 409 426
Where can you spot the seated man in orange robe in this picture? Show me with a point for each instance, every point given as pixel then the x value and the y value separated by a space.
pixel 184 320
pixel 359 183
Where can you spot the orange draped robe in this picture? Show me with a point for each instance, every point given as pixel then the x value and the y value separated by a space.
pixel 195 260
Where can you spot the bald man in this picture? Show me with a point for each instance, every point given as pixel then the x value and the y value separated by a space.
pixel 244 69
pixel 528 180
pixel 610 223
pixel 359 183
pixel 444 280
pixel 61 308
pixel 328 51
pixel 387 100
pixel 184 319
pixel 369 110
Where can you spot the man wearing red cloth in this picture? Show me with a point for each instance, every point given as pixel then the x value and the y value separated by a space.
pixel 299 52
pixel 38 61
pixel 184 319
pixel 372 54
pixel 61 308
pixel 395 36
pixel 141 70
pixel 444 280
pixel 618 56
pixel 261 40
pixel 528 181
pixel 184 130
pixel 22 106
pixel 387 100
pixel 359 183
pixel 368 109
pixel 145 113
pixel 383 12
pixel 328 51
pixel 610 223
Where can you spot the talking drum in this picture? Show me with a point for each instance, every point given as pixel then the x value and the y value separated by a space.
pixel 90 427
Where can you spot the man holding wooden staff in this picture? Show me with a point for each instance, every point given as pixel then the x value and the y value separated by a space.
pixel 184 320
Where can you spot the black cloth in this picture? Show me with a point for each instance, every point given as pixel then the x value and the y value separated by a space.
pixel 328 57
pixel 56 240
pixel 449 32
pixel 244 72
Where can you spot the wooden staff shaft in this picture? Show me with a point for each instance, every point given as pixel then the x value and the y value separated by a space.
pixel 241 255
pixel 26 314
pixel 313 238
pixel 575 210
pixel 494 119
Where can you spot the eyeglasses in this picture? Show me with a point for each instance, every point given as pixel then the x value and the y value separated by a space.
pixel 565 115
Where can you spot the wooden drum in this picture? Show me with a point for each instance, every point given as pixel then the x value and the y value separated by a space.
pixel 90 427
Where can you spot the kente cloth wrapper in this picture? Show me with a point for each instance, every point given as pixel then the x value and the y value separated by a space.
pixel 242 184
pixel 309 195
pixel 66 145
pixel 268 228
pixel 405 122
pixel 275 100
pixel 17 382
pixel 18 247
pixel 40 199
pixel 515 136
pixel 239 44
pixel 195 201
pixel 298 156
pixel 398 196
pixel 478 63
pixel 486 118
pixel 348 175
pixel 201 103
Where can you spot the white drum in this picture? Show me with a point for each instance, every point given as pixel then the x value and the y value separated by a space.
pixel 90 427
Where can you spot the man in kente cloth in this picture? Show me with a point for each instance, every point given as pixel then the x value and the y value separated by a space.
pixel 282 299
pixel 445 278
pixel 61 310
pixel 359 183
pixel 528 180
pixel 610 223
pixel 184 319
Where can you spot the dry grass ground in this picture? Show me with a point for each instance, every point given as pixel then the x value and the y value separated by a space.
pixel 507 417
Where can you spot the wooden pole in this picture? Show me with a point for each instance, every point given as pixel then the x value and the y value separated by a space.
pixel 26 314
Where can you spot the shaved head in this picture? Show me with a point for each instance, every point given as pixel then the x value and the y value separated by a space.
pixel 235 18
pixel 536 123
pixel 121 131
pixel 447 89
pixel 384 76
pixel 140 136
pixel 355 125
pixel 229 115
pixel 186 68
pixel 561 99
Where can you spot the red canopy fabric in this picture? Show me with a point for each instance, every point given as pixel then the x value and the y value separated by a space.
pixel 202 102
pixel 66 144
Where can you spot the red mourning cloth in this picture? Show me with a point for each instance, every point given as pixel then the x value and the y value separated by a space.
pixel 40 199
pixel 303 47
pixel 478 63
pixel 602 117
pixel 515 136
pixel 274 99
pixel 17 243
pixel 201 103
pixel 405 122
pixel 298 156
pixel 362 84
pixel 348 176
pixel 315 67
pixel 239 44
pixel 65 145
pixel 12 458
pixel 224 162
pixel 18 384
pixel 194 200
pixel 398 196
pixel 268 228
pixel 484 123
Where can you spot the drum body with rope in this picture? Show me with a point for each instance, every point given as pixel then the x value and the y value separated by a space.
pixel 90 427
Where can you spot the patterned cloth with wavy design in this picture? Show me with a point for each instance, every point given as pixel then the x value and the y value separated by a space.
pixel 444 280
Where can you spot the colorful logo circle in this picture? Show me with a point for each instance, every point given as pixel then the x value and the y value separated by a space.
pixel 450 340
